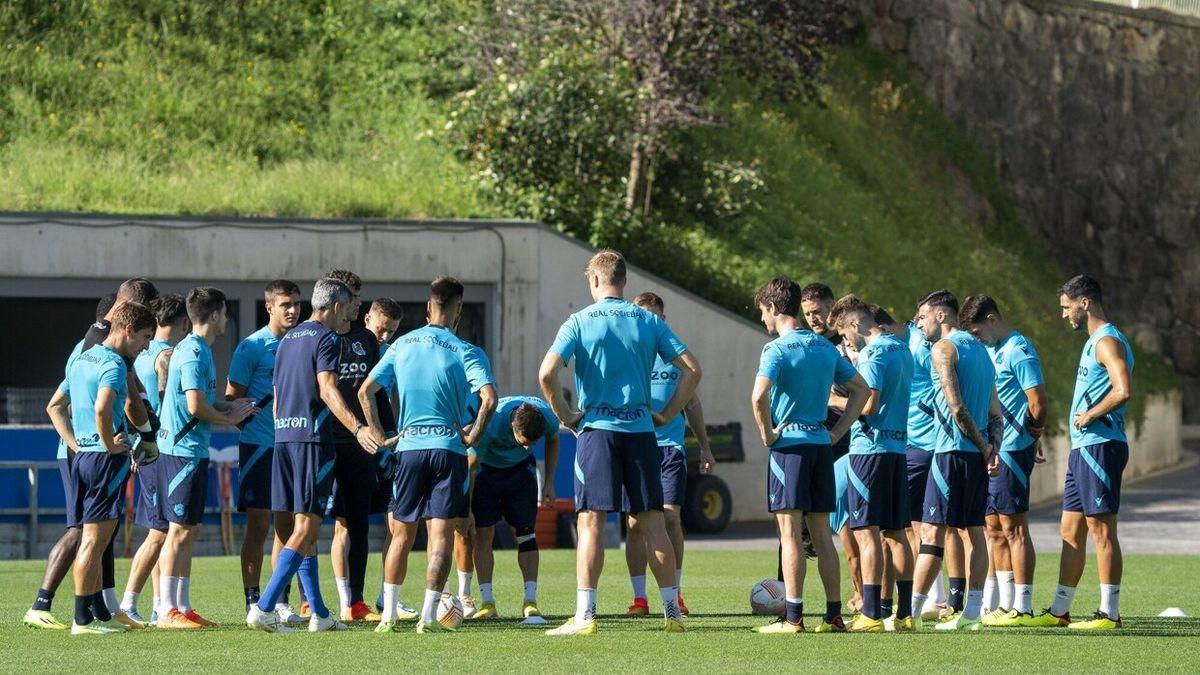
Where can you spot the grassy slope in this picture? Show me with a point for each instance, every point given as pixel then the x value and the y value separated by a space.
pixel 878 195
pixel 185 107
pixel 719 639
pixel 192 107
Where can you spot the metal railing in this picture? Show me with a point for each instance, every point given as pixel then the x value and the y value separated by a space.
pixel 32 510
pixel 1184 7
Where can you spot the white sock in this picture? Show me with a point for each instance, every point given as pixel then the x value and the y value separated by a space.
pixel 390 592
pixel 1110 600
pixel 166 587
pixel 429 608
pixel 989 594
pixel 937 591
pixel 1004 581
pixel 670 601
pixel 1023 598
pixel 1062 600
pixel 183 589
pixel 639 586
pixel 111 601
pixel 973 605
pixel 464 583
pixel 485 592
pixel 918 603
pixel 585 604
pixel 530 591
pixel 156 606
pixel 343 588
pixel 679 578
pixel 129 603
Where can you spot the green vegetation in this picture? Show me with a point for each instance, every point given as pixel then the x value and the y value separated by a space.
pixel 716 587
pixel 365 108
pixel 225 108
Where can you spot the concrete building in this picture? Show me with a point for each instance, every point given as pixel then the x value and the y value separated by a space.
pixel 522 279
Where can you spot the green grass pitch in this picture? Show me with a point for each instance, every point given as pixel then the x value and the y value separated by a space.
pixel 719 639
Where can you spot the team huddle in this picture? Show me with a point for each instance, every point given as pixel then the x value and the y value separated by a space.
pixel 912 443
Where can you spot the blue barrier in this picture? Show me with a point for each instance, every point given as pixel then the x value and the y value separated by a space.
pixel 41 444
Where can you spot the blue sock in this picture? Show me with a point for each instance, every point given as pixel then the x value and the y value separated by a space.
pixel 958 592
pixel 871 602
pixel 83 610
pixel 285 569
pixel 833 609
pixel 795 612
pixel 310 581
pixel 903 598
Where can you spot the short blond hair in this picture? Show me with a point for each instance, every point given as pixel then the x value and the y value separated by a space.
pixel 609 265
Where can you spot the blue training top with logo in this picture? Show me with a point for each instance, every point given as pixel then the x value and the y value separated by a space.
pixel 191 368
pixel 887 367
pixel 301 416
pixel 1092 384
pixel 98 368
pixel 802 366
pixel 614 343
pixel 1018 368
pixel 976 382
pixel 921 422
pixel 143 366
pixel 663 381
pixel 474 400
pixel 499 448
pixel 253 367
pixel 432 371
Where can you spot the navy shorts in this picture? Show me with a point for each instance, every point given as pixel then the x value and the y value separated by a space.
pixel 510 494
pixel 99 481
pixel 800 478
pixel 841 503
pixel 674 474
pixel 878 493
pixel 356 476
pixel 618 471
pixel 956 494
pixel 149 509
pixel 430 484
pixel 1093 484
pixel 918 462
pixel 1008 491
pixel 302 477
pixel 385 475
pixel 254 476
pixel 182 488
pixel 68 481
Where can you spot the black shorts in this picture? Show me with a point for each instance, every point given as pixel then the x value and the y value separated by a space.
pixel 510 493
pixel 355 475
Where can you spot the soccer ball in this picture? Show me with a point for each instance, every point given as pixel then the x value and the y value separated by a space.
pixel 450 611
pixel 766 598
